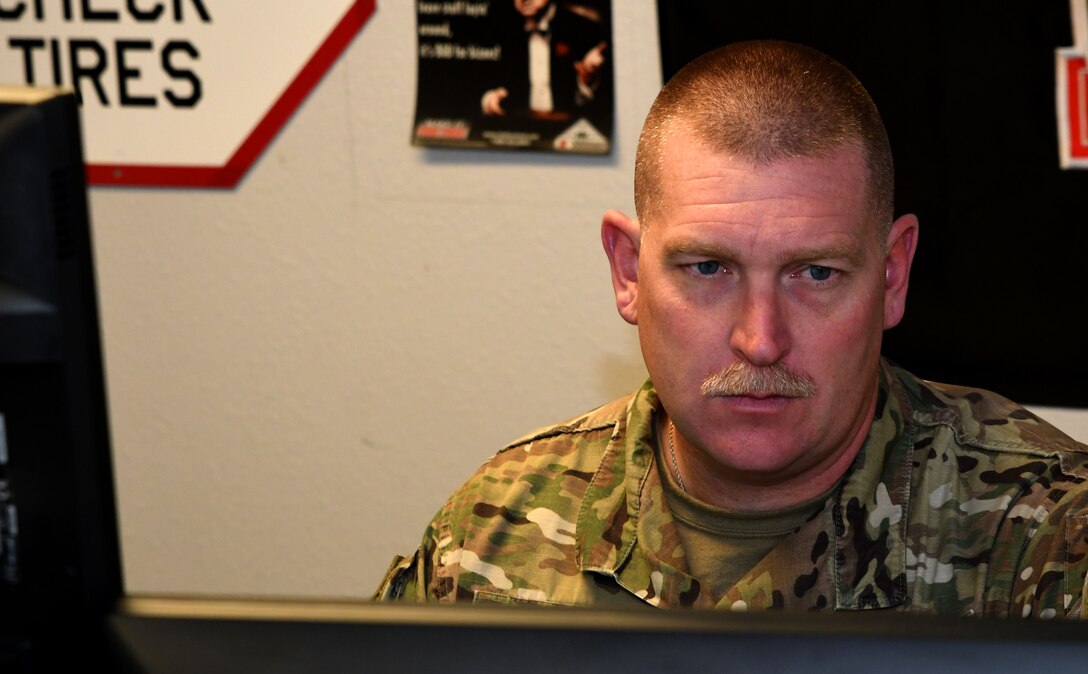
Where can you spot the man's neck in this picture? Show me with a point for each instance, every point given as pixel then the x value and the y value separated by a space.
pixel 541 20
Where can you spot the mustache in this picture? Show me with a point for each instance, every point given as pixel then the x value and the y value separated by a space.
pixel 743 379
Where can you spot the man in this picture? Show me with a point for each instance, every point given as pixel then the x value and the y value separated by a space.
pixel 551 62
pixel 774 460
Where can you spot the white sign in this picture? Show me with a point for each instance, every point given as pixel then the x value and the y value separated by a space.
pixel 177 92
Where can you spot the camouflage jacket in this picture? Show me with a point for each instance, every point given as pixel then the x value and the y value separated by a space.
pixel 960 502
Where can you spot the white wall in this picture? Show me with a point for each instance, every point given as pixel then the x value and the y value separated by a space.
pixel 300 370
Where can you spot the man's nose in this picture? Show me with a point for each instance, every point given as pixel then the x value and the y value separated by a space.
pixel 760 334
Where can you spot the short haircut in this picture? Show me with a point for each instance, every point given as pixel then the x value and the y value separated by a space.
pixel 765 101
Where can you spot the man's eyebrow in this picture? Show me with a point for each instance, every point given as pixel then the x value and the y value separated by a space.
pixel 695 248
pixel 851 253
pixel 686 247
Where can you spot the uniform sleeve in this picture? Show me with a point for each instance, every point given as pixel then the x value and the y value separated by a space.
pixel 410 578
pixel 429 574
pixel 1079 534
pixel 400 581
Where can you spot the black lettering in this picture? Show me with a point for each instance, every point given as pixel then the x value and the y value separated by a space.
pixel 92 72
pixel 39 12
pixel 144 14
pixel 27 44
pixel 91 14
pixel 181 74
pixel 12 13
pixel 125 73
pixel 54 51
pixel 198 5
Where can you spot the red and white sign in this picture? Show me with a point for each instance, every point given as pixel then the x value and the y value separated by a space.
pixel 1072 85
pixel 183 93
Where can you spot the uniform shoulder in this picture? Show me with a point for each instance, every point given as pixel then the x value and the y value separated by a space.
pixel 546 459
pixel 984 419
pixel 605 416
pixel 544 474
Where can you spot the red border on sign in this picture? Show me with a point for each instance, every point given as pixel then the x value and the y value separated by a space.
pixel 228 175
pixel 1077 107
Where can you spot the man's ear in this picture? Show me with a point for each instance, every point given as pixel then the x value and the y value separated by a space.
pixel 902 242
pixel 621 238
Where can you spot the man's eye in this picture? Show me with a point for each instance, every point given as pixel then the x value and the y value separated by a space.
pixel 708 267
pixel 818 273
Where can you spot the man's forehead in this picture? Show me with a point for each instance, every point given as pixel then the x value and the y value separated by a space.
pixel 681 144
pixel 804 202
pixel 690 169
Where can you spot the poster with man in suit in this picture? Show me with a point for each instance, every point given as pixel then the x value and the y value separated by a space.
pixel 515 74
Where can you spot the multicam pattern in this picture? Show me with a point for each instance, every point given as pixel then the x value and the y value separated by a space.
pixel 960 502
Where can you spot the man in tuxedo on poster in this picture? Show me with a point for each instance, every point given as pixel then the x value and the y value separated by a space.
pixel 551 64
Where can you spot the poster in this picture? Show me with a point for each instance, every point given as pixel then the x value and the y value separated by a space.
pixel 515 74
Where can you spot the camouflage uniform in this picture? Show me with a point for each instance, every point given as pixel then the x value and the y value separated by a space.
pixel 960 502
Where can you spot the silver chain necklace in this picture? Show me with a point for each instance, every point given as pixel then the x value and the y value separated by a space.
pixel 672 453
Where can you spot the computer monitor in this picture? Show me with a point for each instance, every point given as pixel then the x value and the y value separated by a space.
pixel 174 634
pixel 59 560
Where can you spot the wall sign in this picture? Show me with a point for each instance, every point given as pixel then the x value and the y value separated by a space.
pixel 1072 81
pixel 180 93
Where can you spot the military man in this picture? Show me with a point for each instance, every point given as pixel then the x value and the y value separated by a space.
pixel 774 459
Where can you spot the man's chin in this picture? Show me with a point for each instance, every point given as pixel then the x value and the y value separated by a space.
pixel 761 471
pixel 758 449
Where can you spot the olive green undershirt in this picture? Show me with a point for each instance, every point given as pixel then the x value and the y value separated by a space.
pixel 721 545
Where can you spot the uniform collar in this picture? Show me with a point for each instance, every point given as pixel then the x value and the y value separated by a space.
pixel 872 508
